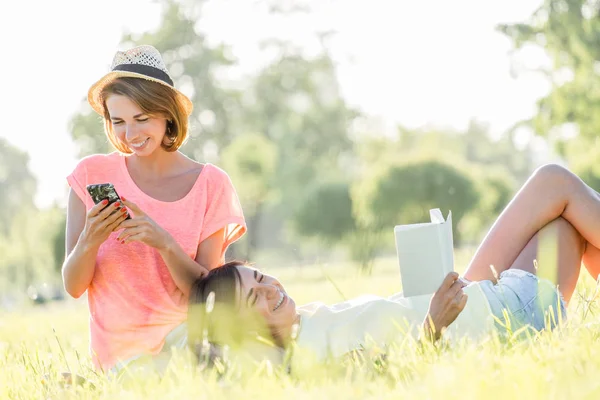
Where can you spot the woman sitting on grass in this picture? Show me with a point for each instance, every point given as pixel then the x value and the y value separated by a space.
pixel 553 204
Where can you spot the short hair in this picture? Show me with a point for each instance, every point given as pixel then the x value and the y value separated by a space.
pixel 154 99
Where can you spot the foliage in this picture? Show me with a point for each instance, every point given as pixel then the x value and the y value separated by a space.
pixel 404 192
pixel 326 212
pixel 58 239
pixel 251 162
pixel 17 184
pixel 26 253
pixel 569 33
pixel 496 188
pixel 296 102
pixel 29 255
pixel 364 244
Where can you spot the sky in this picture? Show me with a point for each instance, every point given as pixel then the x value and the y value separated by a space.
pixel 403 62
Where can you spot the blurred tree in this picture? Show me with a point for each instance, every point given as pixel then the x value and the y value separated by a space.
pixel 30 255
pixel 474 146
pixel 251 162
pixel 404 192
pixel 326 212
pixel 495 165
pixel 363 245
pixel 17 184
pixel 87 131
pixel 296 102
pixel 569 32
pixel 58 238
pixel 496 187
pixel 478 147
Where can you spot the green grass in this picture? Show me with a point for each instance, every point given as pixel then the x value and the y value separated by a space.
pixel 37 343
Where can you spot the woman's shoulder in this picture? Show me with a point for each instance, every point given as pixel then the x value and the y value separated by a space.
pixel 94 161
pixel 215 172
pixel 215 177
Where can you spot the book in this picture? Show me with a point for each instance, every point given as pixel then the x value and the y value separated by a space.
pixel 425 253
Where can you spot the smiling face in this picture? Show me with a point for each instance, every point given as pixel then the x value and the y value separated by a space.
pixel 140 132
pixel 127 102
pixel 264 295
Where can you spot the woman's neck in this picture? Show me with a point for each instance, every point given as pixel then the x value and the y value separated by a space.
pixel 159 164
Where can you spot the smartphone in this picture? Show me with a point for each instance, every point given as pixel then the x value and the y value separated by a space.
pixel 104 191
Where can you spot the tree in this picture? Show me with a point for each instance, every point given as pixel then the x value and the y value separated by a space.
pixel 17 184
pixel 496 187
pixel 296 103
pixel 326 212
pixel 569 32
pixel 404 192
pixel 251 161
pixel 59 239
pixel 29 255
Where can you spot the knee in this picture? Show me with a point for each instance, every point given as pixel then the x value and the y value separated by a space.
pixel 552 173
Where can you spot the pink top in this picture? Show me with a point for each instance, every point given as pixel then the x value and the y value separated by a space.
pixel 133 300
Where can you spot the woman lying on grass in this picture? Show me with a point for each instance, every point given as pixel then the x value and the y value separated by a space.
pixel 553 207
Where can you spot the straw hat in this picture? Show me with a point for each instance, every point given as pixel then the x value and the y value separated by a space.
pixel 143 62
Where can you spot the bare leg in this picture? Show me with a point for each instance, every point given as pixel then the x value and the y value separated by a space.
pixel 558 249
pixel 591 260
pixel 551 192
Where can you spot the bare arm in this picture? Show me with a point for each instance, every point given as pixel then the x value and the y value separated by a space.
pixel 85 233
pixel 184 270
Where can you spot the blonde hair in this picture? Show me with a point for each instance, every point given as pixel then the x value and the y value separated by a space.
pixel 155 100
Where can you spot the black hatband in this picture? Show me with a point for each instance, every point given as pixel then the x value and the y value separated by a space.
pixel 145 70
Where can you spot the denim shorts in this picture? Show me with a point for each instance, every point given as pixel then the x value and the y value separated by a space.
pixel 521 299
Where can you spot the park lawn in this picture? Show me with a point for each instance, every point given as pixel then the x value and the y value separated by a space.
pixel 37 343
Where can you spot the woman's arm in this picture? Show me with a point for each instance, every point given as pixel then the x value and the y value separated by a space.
pixel 186 270
pixel 85 234
pixel 183 269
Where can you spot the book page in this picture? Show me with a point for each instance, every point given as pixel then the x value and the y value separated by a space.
pixel 425 254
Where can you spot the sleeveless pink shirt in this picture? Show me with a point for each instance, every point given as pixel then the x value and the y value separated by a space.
pixel 133 300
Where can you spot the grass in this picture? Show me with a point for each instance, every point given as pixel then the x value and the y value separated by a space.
pixel 38 343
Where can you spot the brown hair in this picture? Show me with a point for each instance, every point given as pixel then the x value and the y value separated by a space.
pixel 155 100
pixel 214 312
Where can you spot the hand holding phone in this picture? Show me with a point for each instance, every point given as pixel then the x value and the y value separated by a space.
pixel 105 217
pixel 104 191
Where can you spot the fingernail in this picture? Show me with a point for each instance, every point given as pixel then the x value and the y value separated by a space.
pixel 117 204
pixel 122 242
pixel 123 210
pixel 122 198
pixel 104 201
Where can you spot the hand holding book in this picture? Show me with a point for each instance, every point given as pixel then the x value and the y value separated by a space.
pixel 445 306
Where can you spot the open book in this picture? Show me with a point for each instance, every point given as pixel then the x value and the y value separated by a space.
pixel 425 253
